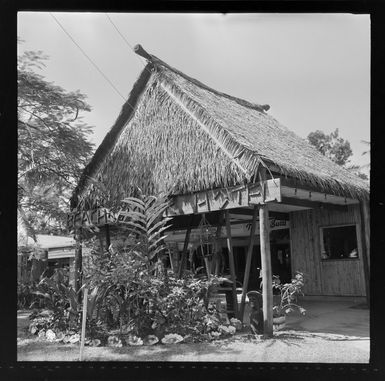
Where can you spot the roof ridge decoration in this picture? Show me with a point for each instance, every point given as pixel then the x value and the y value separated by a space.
pixel 138 49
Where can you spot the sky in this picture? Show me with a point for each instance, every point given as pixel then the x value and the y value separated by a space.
pixel 312 69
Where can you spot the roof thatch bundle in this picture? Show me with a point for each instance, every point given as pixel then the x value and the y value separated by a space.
pixel 181 136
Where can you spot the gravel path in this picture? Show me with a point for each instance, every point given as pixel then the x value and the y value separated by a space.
pixel 286 346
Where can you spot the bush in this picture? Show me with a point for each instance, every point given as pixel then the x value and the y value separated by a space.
pixel 289 293
pixel 62 302
pixel 132 299
pixel 25 296
pixel 133 292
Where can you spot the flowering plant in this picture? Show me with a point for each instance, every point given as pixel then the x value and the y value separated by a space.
pixel 288 295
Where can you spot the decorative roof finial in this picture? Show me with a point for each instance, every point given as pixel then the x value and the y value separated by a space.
pixel 138 49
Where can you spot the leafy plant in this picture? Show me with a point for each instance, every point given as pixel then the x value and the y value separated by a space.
pixel 25 296
pixel 130 297
pixel 63 301
pixel 289 293
pixel 144 221
pixel 134 293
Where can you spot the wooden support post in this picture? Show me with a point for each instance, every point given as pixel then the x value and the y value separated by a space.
pixel 34 270
pixel 84 320
pixel 248 263
pixel 171 259
pixel 185 246
pixel 267 286
pixel 208 267
pixel 365 233
pixel 71 279
pixel 217 254
pixel 231 261
pixel 101 243
pixel 108 238
pixel 78 262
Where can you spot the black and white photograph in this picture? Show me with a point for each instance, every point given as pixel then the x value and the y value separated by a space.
pixel 193 187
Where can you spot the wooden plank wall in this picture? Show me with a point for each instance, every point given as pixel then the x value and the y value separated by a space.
pixel 333 277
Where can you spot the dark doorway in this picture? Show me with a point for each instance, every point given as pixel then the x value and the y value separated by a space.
pixel 280 260
pixel 280 254
pixel 240 253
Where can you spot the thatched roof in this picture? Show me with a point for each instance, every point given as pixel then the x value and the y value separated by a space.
pixel 176 134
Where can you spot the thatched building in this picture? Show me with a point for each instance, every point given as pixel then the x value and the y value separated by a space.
pixel 231 160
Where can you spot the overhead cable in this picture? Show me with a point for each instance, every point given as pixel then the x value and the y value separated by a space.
pixel 125 40
pixel 89 59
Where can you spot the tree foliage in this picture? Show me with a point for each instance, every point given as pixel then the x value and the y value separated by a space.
pixel 52 144
pixel 337 149
pixel 332 146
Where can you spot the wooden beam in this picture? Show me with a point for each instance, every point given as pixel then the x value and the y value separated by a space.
pixel 248 263
pixel 242 211
pixel 213 218
pixel 313 204
pixel 182 222
pixel 250 212
pixel 295 183
pixel 365 233
pixel 138 49
pixel 184 252
pixel 231 261
pixel 224 198
pixel 94 217
pixel 267 287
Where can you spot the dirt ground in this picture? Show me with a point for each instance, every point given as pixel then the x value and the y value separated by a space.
pixel 330 333
pixel 286 346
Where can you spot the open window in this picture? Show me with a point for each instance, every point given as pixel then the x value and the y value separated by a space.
pixel 339 242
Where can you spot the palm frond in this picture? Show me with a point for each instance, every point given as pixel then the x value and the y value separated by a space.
pixel 143 217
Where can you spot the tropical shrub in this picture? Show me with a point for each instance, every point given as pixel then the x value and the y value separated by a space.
pixel 25 296
pixel 138 295
pixel 134 300
pixel 61 302
pixel 289 293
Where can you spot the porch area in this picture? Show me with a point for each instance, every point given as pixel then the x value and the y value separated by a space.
pixel 347 316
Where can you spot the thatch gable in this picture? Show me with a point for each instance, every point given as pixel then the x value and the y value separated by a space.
pixel 183 136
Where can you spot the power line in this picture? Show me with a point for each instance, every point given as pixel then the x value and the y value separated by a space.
pixel 89 59
pixel 125 40
pixel 116 28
